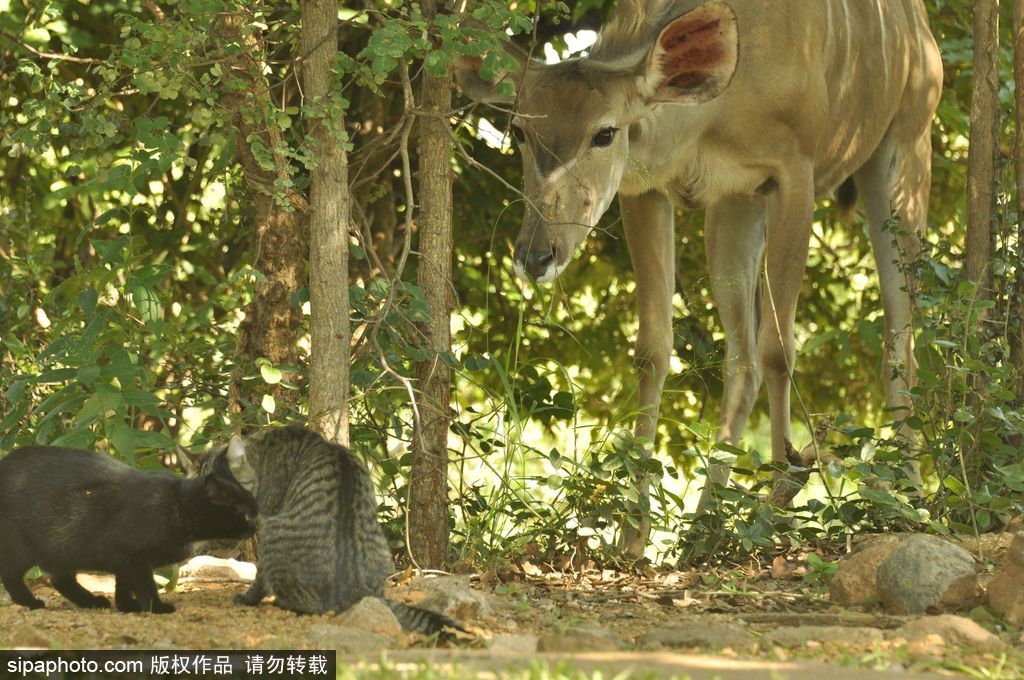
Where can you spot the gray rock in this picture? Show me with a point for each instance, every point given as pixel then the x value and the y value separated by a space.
pixel 456 599
pixel 930 633
pixel 855 581
pixel 927 574
pixel 515 644
pixel 704 632
pixel 370 614
pixel 1006 589
pixel 446 582
pixel 795 637
pixel 581 639
pixel 345 639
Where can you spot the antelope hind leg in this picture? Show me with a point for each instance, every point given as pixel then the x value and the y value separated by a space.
pixel 734 241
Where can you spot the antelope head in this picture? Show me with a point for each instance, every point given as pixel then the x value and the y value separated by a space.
pixel 572 119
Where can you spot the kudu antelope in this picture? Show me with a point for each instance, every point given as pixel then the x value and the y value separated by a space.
pixel 750 109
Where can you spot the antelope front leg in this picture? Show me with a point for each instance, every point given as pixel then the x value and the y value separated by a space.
pixel 649 225
pixel 790 211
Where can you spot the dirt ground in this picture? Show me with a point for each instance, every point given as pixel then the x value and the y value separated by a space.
pixel 603 619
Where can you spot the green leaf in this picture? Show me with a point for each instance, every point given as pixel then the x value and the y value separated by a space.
pixel 147 302
pixel 878 496
pixel 76 439
pixel 269 404
pixel 954 485
pixel 15 392
pixel 103 403
pixel 87 375
pixel 726 447
pixel 122 438
pixel 437 63
pixel 984 519
pixel 87 301
pixel 271 375
pixel 111 251
pixel 476 362
pixel 152 440
pixel 555 458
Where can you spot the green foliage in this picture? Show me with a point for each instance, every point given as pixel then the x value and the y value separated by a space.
pixel 819 572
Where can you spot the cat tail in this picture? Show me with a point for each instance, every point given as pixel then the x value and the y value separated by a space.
pixel 422 620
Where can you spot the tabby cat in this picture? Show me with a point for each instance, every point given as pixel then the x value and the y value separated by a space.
pixel 320 546
pixel 67 510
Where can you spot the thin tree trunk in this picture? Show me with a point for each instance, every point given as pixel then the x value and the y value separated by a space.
pixel 981 166
pixel 271 320
pixel 428 484
pixel 328 226
pixel 981 183
pixel 1017 306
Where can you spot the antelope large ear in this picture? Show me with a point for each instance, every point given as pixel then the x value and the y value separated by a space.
pixel 480 89
pixel 694 58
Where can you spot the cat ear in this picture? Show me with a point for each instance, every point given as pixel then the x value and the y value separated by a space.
pixel 236 453
pixel 224 478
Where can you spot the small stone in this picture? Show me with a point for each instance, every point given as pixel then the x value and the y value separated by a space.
pixel 795 637
pixel 515 644
pixel 344 639
pixel 371 614
pixel 927 574
pixel 1005 591
pixel 856 578
pixel 700 633
pixel 929 634
pixel 581 639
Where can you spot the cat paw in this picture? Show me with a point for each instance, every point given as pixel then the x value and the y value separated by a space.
pixel 128 606
pixel 159 607
pixel 34 604
pixel 244 599
pixel 97 602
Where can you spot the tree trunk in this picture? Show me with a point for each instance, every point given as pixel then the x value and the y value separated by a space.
pixel 981 166
pixel 328 225
pixel 271 320
pixel 1017 305
pixel 428 484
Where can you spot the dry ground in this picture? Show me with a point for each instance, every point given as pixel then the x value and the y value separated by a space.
pixel 603 617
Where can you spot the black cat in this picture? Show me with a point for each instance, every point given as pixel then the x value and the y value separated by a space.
pixel 68 510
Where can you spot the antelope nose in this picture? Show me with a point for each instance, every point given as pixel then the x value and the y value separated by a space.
pixel 536 263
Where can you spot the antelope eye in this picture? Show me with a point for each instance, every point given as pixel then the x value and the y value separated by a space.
pixel 604 136
pixel 518 134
